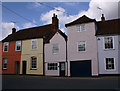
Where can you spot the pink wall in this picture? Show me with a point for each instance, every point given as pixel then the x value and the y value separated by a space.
pixel 50 57
pixel 91 46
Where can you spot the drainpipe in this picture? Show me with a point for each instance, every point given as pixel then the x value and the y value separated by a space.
pixel 66 57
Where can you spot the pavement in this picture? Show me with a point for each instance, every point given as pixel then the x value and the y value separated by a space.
pixel 20 82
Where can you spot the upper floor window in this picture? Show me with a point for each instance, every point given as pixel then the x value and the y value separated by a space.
pixel 4 63
pixel 18 45
pixel 80 28
pixel 55 49
pixel 110 64
pixel 34 44
pixel 81 46
pixel 6 45
pixel 108 42
pixel 33 62
pixel 52 66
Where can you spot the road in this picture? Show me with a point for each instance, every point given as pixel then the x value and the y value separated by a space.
pixel 42 82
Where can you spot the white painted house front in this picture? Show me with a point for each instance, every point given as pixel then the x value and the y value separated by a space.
pixel 108 39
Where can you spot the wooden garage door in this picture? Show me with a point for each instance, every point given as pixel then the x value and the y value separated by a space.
pixel 80 68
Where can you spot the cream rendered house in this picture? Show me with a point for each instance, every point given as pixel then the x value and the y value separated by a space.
pixel 32 56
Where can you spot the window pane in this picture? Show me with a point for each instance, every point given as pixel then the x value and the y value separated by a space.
pixel 34 44
pixel 52 66
pixel 108 42
pixel 109 63
pixel 81 46
pixel 5 46
pixel 55 48
pixel 33 62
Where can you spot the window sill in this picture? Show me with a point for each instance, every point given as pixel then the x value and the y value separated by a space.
pixel 81 51
pixel 4 69
pixel 108 49
pixel 110 70
pixel 33 69
pixel 18 50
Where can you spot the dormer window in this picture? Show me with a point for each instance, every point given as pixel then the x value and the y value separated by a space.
pixel 80 28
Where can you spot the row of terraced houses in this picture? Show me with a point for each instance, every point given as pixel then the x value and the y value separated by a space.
pixel 91 48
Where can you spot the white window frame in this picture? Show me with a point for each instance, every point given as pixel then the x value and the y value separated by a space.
pixel 7 46
pixel 36 44
pixel 105 64
pixel 53 66
pixel 104 43
pixel 4 63
pixel 53 48
pixel 78 44
pixel 79 28
pixel 17 45
pixel 31 63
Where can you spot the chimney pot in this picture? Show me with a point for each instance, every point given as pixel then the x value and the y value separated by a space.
pixel 55 22
pixel 102 18
pixel 13 30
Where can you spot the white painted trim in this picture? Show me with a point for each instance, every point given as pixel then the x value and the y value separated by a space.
pixel 80 27
pixel 105 64
pixel 81 51
pixel 104 43
pixel 16 46
pixel 4 46
pixel 36 44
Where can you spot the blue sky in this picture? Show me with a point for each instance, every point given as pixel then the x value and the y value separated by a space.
pixel 33 12
pixel 40 14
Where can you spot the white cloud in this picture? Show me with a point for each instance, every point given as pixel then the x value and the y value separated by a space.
pixel 29 24
pixel 109 9
pixel 7 29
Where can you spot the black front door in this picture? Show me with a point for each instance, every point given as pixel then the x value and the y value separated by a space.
pixel 62 69
pixel 23 67
pixel 17 67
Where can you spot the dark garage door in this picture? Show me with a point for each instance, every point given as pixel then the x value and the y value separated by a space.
pixel 80 68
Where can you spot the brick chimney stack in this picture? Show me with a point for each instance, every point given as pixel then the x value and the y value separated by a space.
pixel 13 30
pixel 102 18
pixel 55 22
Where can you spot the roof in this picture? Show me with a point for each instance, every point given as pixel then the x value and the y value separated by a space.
pixel 45 32
pixel 83 19
pixel 108 27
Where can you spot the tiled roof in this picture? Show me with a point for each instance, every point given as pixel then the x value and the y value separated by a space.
pixel 45 32
pixel 108 27
pixel 83 19
pixel 30 33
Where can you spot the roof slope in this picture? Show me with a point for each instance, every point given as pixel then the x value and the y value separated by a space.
pixel 108 27
pixel 83 19
pixel 45 32
pixel 30 33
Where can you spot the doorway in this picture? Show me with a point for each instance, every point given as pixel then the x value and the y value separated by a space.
pixel 62 69
pixel 17 66
pixel 24 67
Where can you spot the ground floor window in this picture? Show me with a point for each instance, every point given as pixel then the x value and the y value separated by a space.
pixel 110 64
pixel 4 63
pixel 52 66
pixel 33 62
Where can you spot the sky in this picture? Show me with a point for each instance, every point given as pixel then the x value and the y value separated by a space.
pixel 23 15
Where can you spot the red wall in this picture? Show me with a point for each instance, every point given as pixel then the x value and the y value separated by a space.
pixel 12 56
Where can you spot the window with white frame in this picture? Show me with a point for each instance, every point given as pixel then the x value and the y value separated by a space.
pixel 108 42
pixel 6 45
pixel 18 45
pixel 110 64
pixel 55 49
pixel 52 66
pixel 81 46
pixel 34 44
pixel 33 62
pixel 80 28
pixel 4 63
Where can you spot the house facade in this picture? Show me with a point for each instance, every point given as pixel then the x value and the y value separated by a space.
pixel 82 47
pixel 108 39
pixel 32 56
pixel 11 55
pixel 55 52
pixel 55 55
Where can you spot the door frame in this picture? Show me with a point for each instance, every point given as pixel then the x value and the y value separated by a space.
pixel 60 71
pixel 24 63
